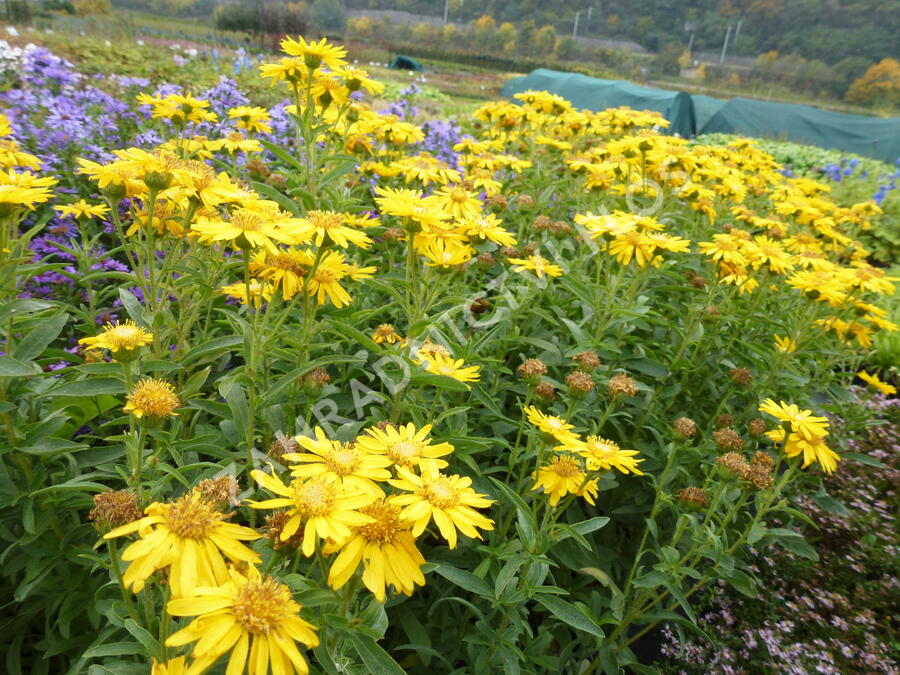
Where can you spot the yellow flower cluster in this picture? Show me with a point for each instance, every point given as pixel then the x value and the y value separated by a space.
pixel 19 188
pixel 338 496
pixel 805 434
pixel 577 462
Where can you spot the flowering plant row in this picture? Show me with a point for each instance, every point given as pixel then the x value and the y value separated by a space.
pixel 339 404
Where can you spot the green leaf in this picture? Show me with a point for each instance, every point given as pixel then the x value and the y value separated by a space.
pixel 465 580
pixel 211 347
pixel 570 614
pixel 10 367
pixel 113 649
pixel 376 660
pixel 830 504
pixel 591 525
pixel 38 338
pixel 272 193
pixel 524 515
pixel 439 381
pixel 236 398
pixel 132 306
pixel 95 386
pixel 150 643
pixel 863 459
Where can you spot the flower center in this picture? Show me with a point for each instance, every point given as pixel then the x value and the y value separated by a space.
pixel 440 493
pixel 314 499
pixel 459 195
pixel 343 461
pixel 285 262
pixel 259 606
pixel 387 523
pixel 565 468
pixel 191 517
pixel 324 220
pixel 247 221
pixel 403 450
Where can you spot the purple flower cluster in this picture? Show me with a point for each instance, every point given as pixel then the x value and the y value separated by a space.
pixel 837 171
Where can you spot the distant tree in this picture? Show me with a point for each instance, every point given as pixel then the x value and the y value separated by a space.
pixel 92 6
pixel 846 71
pixel 879 86
pixel 328 15
pixel 507 36
pixel 566 48
pixel 362 27
pixel 667 61
pixel 545 39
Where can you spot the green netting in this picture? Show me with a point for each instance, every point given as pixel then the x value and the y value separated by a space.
pixel 690 115
pixel 595 94
pixel 402 62
pixel 705 107
pixel 868 136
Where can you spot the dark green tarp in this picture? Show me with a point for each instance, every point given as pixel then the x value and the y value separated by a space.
pixel 870 136
pixel 705 107
pixel 402 62
pixel 595 94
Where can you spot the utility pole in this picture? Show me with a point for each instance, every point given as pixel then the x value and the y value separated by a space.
pixel 575 27
pixel 725 45
pixel 446 10
pixel 587 21
pixel 737 31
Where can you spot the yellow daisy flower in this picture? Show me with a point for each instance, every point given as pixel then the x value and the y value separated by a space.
pixel 249 615
pixel 537 264
pixel 601 454
pixel 324 507
pixel 126 336
pixel 176 666
pixel 438 364
pixel 803 422
pixel 152 398
pixel 813 449
pixel 549 424
pixel 487 227
pixel 328 227
pixel 251 118
pixel 283 268
pixel 785 345
pixel 189 536
pixel 347 462
pixel 385 333
pixel 449 500
pixel 564 476
pixel 876 383
pixel 315 53
pixel 458 202
pixel 259 292
pixel 404 446
pixel 82 209
pixel 387 550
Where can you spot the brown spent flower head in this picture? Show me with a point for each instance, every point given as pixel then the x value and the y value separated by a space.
pixel 532 369
pixel 529 249
pixel 545 391
pixel 621 386
pixel 560 227
pixel 740 376
pixel 734 463
pixel 384 424
pixel 510 252
pixel 697 281
pixel 283 445
pixel 393 234
pixel 762 459
pixel 114 508
pixel 684 427
pixel 498 201
pixel 480 306
pixel 692 496
pixel 525 201
pixel 579 383
pixel 711 311
pixel 223 491
pixel 756 427
pixel 540 223
pixel 725 420
pixel 759 474
pixel 318 377
pixel 485 259
pixel 587 361
pixel 728 439
pixel 275 523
